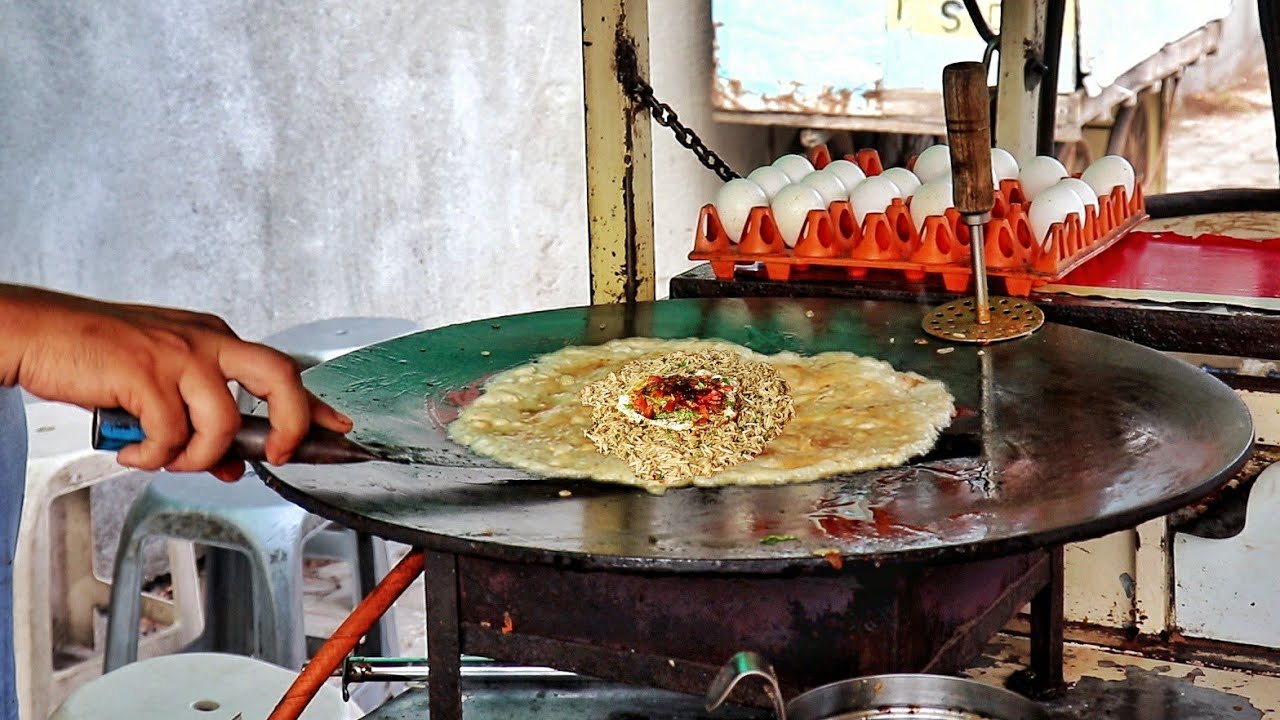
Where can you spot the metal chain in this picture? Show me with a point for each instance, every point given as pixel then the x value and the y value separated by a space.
pixel 642 93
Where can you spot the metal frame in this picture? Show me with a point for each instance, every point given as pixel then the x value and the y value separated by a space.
pixel 619 155
pixel 1022 32
pixel 865 620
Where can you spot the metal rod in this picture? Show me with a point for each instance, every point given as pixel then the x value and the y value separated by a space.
pixel 369 669
pixel 1269 25
pixel 1047 103
pixel 977 249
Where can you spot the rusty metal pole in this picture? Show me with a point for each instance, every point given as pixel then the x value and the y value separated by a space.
pixel 619 150
pixel 1022 34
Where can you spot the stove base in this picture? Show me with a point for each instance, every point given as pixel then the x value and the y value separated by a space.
pixel 1121 687
pixel 674 631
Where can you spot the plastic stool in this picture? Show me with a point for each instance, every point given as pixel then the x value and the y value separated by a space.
pixel 195 686
pixel 276 633
pixel 316 342
pixel 247 517
pixel 55 547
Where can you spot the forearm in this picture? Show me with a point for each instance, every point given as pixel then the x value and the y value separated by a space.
pixel 19 320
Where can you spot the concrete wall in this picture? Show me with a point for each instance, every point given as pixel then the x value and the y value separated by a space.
pixel 278 162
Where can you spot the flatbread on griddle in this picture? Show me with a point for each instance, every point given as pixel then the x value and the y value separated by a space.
pixel 851 414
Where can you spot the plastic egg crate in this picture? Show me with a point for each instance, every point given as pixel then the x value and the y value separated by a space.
pixel 889 241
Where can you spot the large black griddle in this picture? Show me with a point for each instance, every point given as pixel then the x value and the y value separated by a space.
pixel 1082 435
pixel 1063 435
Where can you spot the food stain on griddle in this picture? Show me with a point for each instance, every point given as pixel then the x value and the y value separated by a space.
pixel 864 509
pixel 1148 695
pixel 856 511
pixel 882 524
pixel 444 409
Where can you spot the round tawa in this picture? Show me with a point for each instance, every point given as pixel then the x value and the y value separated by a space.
pixel 1060 436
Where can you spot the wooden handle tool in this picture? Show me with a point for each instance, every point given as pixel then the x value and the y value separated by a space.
pixel 968 109
pixel 972 320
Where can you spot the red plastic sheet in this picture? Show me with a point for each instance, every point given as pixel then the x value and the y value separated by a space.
pixel 1169 262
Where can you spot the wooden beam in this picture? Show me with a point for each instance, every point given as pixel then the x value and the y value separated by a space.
pixel 619 154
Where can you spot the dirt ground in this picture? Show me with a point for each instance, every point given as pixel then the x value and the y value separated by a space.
pixel 1224 138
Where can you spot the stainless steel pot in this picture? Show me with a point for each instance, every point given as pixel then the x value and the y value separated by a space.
pixel 879 697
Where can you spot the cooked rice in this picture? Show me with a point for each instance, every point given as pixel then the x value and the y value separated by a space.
pixel 662 456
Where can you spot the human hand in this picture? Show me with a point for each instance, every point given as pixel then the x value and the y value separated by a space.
pixel 167 367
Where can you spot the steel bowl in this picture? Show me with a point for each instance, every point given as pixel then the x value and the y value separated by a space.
pixel 879 697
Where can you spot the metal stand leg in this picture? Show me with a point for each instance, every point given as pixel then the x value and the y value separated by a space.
pixel 1269 24
pixel 1046 627
pixel 371 566
pixel 444 636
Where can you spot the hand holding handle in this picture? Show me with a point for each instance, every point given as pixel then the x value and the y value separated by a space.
pixel 114 428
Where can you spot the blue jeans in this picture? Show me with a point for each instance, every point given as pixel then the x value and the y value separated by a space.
pixel 13 478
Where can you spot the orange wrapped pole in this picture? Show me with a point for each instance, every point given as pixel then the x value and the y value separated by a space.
pixel 344 640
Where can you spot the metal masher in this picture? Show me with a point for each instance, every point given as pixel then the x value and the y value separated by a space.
pixel 981 318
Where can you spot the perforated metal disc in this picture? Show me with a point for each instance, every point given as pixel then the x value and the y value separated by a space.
pixel 958 320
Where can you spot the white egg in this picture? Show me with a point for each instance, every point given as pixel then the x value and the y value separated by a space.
pixel 770 178
pixel 827 184
pixel 906 180
pixel 1107 172
pixel 872 195
pixel 848 172
pixel 790 208
pixel 1003 166
pixel 1039 174
pixel 932 163
pixel 931 198
pixel 1081 188
pixel 1053 205
pixel 795 166
pixel 734 201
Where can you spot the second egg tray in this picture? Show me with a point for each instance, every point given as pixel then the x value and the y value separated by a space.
pixel 889 240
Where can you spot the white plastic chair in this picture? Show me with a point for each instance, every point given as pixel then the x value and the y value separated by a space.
pixel 195 686
pixel 55 550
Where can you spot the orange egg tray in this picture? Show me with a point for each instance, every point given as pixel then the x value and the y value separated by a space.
pixel 831 238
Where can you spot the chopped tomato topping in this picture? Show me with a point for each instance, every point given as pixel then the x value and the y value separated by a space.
pixel 693 397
